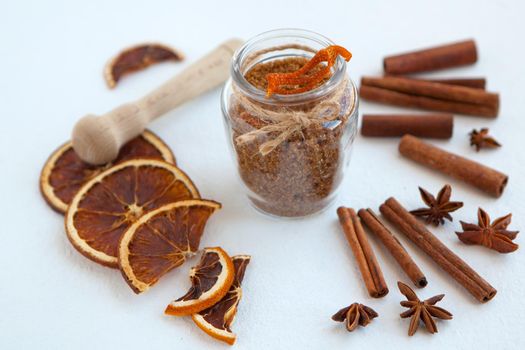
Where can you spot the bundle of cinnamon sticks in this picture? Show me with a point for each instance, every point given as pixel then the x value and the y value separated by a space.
pixel 437 251
pixel 452 95
pixel 416 231
pixel 446 95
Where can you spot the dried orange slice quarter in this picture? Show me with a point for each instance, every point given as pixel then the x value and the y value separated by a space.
pixel 64 172
pixel 138 58
pixel 162 240
pixel 217 320
pixel 210 281
pixel 108 204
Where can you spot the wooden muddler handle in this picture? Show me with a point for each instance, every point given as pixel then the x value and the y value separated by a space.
pixel 97 139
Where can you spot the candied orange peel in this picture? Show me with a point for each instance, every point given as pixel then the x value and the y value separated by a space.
pixel 300 78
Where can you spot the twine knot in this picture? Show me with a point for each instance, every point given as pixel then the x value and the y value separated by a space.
pixel 300 119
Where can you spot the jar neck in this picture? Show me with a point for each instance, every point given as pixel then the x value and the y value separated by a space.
pixel 281 44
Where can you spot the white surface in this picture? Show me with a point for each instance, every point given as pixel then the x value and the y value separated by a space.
pixel 52 54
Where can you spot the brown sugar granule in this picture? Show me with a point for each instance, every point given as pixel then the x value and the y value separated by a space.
pixel 300 175
pixel 257 74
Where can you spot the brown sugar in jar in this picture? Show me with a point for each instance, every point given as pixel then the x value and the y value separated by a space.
pixel 291 150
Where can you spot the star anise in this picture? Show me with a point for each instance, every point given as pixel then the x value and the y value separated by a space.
pixel 481 139
pixel 354 315
pixel 494 236
pixel 438 209
pixel 422 310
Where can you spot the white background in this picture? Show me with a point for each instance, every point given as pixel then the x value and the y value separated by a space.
pixel 52 54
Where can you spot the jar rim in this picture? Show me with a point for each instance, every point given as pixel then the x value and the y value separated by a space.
pixel 293 33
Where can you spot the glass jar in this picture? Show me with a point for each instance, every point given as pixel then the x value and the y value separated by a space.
pixel 291 150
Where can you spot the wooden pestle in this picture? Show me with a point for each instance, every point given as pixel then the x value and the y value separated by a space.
pixel 97 139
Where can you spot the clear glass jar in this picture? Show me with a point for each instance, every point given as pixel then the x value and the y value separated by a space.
pixel 291 150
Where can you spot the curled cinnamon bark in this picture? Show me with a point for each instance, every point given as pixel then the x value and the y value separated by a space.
pixel 431 95
pixel 433 247
pixel 391 97
pixel 366 259
pixel 437 126
pixel 394 247
pixel 476 83
pixel 439 57
pixel 435 90
pixel 486 179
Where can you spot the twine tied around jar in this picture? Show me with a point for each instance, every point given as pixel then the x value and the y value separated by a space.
pixel 284 122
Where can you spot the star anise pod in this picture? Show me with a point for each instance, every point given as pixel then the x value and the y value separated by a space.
pixel 438 209
pixel 354 315
pixel 481 139
pixel 422 310
pixel 494 236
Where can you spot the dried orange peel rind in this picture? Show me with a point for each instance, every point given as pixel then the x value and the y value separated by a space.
pixel 300 77
pixel 210 281
pixel 137 58
pixel 216 321
pixel 64 172
pixel 162 240
pixel 107 205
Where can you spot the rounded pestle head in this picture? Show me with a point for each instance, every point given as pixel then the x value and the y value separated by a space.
pixel 94 140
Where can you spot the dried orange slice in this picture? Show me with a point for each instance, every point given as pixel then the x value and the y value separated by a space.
pixel 162 240
pixel 210 281
pixel 107 205
pixel 137 58
pixel 217 320
pixel 64 172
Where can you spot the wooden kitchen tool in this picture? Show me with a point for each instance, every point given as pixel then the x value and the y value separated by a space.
pixel 97 139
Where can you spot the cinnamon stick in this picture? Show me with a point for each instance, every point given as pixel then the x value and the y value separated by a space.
pixel 424 125
pixel 435 90
pixel 440 57
pixel 394 247
pixel 486 179
pixel 433 247
pixel 414 101
pixel 476 83
pixel 366 259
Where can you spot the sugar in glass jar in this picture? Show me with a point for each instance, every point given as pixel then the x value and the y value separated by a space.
pixel 291 150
